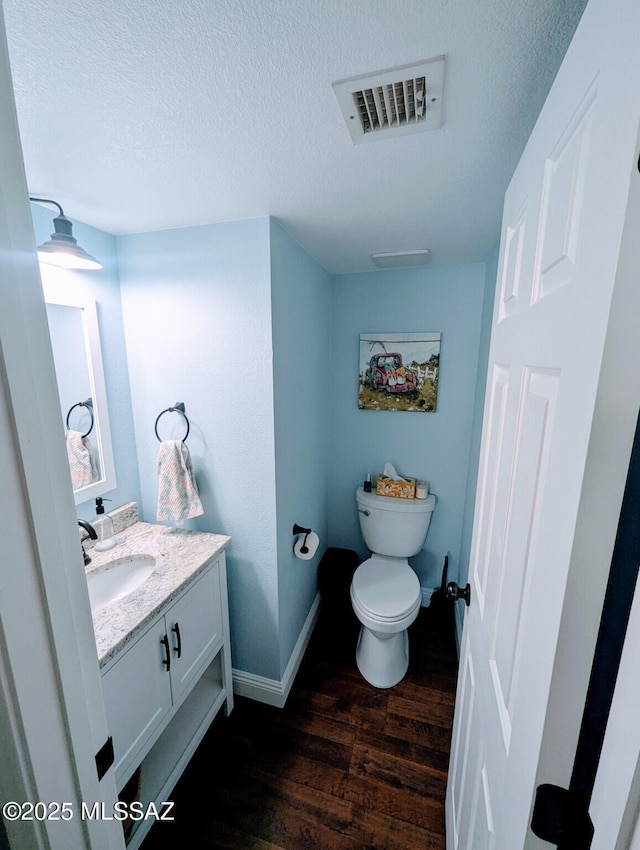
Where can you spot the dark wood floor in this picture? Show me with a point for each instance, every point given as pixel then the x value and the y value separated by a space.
pixel 344 766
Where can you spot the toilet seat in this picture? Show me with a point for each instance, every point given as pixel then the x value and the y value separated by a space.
pixel 386 590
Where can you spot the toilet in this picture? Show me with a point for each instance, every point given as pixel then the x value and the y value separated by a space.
pixel 385 591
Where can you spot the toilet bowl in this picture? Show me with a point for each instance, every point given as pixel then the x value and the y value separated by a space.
pixel 385 594
pixel 385 591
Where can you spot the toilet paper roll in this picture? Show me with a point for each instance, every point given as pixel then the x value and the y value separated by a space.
pixel 313 541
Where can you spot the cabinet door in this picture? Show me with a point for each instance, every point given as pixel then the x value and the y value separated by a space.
pixel 194 626
pixel 137 696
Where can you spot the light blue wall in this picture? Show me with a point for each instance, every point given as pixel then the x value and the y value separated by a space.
pixel 104 286
pixel 430 446
pixel 197 308
pixel 301 316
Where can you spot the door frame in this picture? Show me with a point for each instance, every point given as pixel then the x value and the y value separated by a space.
pixel 51 708
pixel 610 446
pixel 616 795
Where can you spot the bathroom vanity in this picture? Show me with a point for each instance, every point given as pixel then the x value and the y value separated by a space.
pixel 164 653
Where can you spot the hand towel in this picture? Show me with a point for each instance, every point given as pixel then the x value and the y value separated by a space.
pixel 178 497
pixel 81 461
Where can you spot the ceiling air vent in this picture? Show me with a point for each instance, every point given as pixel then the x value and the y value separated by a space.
pixel 402 259
pixel 394 102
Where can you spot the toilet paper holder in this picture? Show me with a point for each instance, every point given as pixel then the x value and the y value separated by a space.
pixel 298 529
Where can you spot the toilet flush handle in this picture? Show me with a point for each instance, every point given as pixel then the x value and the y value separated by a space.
pixel 366 513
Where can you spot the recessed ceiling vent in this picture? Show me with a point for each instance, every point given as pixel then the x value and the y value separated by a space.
pixel 394 102
pixel 402 259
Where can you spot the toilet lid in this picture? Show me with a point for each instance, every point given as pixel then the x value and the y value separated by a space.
pixel 386 590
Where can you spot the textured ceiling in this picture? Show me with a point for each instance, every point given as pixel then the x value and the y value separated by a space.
pixel 141 115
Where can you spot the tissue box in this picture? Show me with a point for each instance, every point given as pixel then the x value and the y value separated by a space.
pixel 404 489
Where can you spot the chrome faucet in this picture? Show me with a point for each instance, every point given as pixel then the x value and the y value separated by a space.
pixel 92 534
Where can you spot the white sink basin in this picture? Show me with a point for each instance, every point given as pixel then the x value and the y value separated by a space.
pixel 118 579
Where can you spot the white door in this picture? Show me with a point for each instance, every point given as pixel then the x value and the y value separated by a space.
pixel 563 221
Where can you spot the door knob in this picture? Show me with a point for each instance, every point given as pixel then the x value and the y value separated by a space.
pixel 454 592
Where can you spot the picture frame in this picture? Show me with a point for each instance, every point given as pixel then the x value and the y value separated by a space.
pixel 399 371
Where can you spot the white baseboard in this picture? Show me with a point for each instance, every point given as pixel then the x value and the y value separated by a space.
pixel 426 593
pixel 273 691
pixel 249 685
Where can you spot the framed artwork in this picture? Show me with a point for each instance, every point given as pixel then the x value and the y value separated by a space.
pixel 399 371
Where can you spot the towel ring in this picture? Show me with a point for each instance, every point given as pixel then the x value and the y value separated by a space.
pixel 89 405
pixel 178 407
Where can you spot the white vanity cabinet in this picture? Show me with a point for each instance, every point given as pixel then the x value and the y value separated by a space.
pixel 163 691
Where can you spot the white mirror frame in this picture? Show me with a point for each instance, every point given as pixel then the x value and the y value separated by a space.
pixel 54 293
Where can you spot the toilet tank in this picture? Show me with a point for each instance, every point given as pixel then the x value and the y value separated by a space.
pixel 394 527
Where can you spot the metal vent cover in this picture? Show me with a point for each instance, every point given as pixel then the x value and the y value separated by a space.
pixel 402 100
pixel 402 259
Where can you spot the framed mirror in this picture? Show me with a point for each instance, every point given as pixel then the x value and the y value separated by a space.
pixel 75 340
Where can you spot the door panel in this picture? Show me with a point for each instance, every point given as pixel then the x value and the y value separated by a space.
pixel 198 616
pixel 512 265
pixel 527 490
pixel 491 516
pixel 132 723
pixel 562 197
pixel 482 816
pixel 461 765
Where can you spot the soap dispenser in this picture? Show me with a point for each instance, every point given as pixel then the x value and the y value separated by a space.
pixel 103 525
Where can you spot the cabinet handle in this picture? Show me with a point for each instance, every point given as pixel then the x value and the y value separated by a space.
pixel 177 649
pixel 167 659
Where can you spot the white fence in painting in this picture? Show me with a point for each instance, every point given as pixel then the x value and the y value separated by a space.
pixel 423 374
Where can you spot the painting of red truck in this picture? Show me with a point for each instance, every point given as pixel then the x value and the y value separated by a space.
pixel 399 371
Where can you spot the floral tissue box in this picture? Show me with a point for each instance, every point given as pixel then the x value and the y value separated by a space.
pixel 403 488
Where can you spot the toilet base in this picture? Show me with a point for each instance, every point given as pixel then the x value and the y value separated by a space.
pixel 383 661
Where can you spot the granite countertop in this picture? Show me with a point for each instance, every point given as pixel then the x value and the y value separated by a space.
pixel 180 557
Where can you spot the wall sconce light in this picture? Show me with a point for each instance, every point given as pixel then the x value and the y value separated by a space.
pixel 62 249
